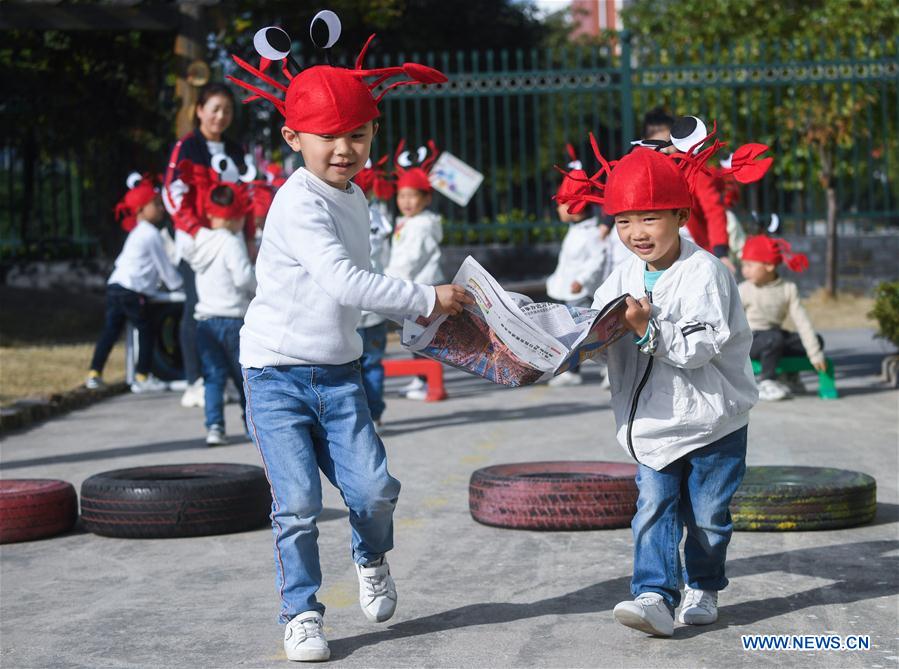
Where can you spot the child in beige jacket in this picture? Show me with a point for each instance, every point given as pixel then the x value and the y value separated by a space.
pixel 768 299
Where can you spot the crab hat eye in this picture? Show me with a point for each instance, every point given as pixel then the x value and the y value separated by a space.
pixel 368 164
pixel 404 160
pixel 272 43
pixel 133 179
pixel 686 132
pixel 325 29
pixel 422 153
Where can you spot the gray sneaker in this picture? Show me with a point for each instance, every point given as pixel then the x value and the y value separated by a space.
pixel 215 436
pixel 648 613
pixel 304 638
pixel 94 383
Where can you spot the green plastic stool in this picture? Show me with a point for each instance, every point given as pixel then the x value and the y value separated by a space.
pixel 827 387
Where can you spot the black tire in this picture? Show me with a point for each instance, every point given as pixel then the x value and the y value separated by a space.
pixel 165 322
pixel 563 495
pixel 36 508
pixel 176 501
pixel 779 499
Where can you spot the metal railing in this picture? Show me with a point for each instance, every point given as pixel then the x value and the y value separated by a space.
pixel 510 113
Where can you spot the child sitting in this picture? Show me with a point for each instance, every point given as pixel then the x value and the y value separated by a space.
pixel 768 300
pixel 138 270
pixel 681 387
pixel 581 258
pixel 306 407
pixel 415 252
pixel 225 286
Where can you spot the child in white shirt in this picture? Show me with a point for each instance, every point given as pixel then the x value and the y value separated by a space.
pixel 138 270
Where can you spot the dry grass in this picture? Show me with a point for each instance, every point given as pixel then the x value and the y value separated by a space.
pixel 844 312
pixel 35 371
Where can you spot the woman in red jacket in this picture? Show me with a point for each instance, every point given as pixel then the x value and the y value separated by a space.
pixel 215 112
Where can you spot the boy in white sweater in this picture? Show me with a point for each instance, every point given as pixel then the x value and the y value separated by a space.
pixel 306 407
pixel 225 286
pixel 138 270
pixel 682 388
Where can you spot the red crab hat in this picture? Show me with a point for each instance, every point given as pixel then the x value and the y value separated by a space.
pixel 576 181
pixel 241 202
pixel 142 188
pixel 646 179
pixel 412 172
pixel 773 251
pixel 324 99
pixel 374 180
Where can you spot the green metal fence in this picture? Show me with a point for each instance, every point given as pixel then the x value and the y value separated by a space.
pixel 509 114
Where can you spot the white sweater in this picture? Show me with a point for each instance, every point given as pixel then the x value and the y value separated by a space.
pixel 581 259
pixel 379 238
pixel 225 279
pixel 698 386
pixel 415 253
pixel 144 261
pixel 313 279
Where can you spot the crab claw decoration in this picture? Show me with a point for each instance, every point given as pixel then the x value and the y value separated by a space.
pixel 142 188
pixel 325 99
pixel 413 173
pixel 689 135
pixel 373 179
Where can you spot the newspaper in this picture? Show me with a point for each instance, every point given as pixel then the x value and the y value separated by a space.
pixel 510 340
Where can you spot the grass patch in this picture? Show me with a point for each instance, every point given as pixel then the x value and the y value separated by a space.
pixel 841 313
pixel 40 371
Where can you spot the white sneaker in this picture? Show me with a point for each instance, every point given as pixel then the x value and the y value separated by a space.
pixel 413 385
pixel 567 379
pixel 94 383
pixel 772 391
pixel 419 394
pixel 377 591
pixel 304 638
pixel 648 613
pixel 194 396
pixel 215 436
pixel 149 385
pixel 700 607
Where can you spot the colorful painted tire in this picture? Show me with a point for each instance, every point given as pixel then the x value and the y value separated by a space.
pixel 781 499
pixel 36 508
pixel 176 501
pixel 565 495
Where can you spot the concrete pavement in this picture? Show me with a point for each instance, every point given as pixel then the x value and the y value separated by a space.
pixel 469 595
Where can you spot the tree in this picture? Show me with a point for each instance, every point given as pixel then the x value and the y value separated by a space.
pixel 829 118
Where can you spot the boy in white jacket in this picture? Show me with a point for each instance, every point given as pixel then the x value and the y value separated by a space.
pixel 682 388
pixel 306 407
pixel 415 248
pixel 225 286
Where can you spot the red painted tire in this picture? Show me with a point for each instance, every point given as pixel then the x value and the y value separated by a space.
pixel 36 508
pixel 565 495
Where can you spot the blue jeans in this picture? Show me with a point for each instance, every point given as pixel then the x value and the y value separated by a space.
pixel 124 305
pixel 218 343
pixel 306 418
pixel 374 341
pixel 694 491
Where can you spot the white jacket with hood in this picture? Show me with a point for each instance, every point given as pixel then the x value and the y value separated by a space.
pixel 415 253
pixel 698 386
pixel 225 279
